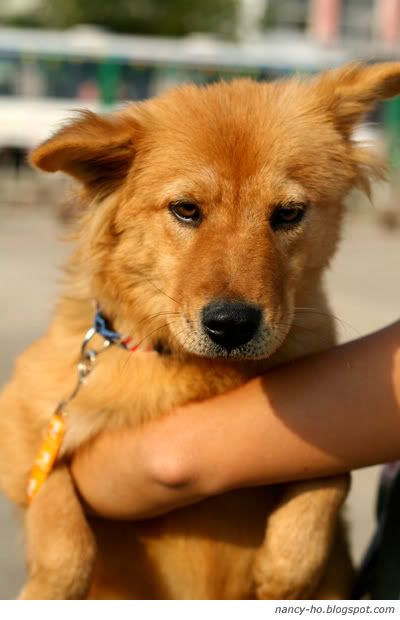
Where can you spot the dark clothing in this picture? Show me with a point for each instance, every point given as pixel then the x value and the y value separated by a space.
pixel 379 577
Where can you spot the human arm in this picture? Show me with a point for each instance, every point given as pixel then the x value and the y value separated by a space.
pixel 322 415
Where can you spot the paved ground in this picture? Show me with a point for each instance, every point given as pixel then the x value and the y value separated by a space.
pixel 362 285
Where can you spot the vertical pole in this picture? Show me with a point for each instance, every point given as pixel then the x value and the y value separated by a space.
pixel 392 131
pixel 250 16
pixel 108 81
pixel 325 16
pixel 389 21
pixel 389 31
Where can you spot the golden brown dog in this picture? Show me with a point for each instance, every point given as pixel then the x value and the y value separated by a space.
pixel 211 214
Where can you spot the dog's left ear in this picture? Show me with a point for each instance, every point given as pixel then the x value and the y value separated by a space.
pixel 351 91
pixel 96 150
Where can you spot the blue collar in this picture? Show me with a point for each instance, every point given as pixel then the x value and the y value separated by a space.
pixel 103 327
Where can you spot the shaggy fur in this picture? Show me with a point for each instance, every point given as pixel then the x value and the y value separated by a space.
pixel 238 150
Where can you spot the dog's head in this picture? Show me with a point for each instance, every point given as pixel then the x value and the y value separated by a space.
pixel 213 210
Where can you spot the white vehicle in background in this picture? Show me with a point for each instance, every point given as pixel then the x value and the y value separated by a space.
pixel 25 121
pixel 44 74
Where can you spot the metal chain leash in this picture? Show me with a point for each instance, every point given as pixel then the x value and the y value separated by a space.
pixel 85 366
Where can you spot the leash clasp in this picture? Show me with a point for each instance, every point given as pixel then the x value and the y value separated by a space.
pixel 88 356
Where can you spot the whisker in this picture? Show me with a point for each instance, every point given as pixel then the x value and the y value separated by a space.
pixel 154 331
pixel 137 282
pixel 296 325
pixel 157 315
pixel 330 315
pixel 164 293
pixel 145 337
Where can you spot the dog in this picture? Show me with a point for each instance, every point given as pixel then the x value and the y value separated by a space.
pixel 210 216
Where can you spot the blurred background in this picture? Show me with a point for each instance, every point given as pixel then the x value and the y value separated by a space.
pixel 59 55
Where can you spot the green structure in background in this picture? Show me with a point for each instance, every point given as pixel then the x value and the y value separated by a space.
pixel 392 132
pixel 108 81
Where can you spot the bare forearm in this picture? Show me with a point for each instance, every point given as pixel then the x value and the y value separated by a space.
pixel 117 476
pixel 325 414
pixel 322 415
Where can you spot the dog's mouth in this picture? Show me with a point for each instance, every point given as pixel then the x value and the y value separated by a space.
pixel 199 344
pixel 228 330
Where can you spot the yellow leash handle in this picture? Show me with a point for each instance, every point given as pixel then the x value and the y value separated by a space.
pixel 47 455
pixel 51 446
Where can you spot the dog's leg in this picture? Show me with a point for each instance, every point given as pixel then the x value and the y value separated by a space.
pixel 337 581
pixel 299 538
pixel 60 544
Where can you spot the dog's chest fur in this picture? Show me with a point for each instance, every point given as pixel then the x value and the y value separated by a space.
pixel 165 557
pixel 205 551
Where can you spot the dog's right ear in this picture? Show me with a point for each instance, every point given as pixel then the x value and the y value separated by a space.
pixel 97 151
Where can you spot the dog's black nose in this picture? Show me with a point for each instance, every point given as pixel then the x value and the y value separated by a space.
pixel 231 324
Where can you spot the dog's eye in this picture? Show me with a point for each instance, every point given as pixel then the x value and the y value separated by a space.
pixel 187 212
pixel 285 216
